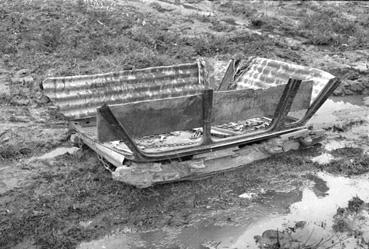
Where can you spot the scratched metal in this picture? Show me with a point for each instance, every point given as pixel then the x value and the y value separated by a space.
pixel 77 97
pixel 257 73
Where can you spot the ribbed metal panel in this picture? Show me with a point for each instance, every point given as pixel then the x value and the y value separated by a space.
pixel 77 97
pixel 264 73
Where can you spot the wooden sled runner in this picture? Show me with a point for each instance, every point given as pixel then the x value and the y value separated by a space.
pixel 167 124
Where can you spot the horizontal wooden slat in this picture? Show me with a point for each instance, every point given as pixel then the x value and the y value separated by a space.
pixel 182 113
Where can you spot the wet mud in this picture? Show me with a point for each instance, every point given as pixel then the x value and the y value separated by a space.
pixel 71 201
pixel 309 220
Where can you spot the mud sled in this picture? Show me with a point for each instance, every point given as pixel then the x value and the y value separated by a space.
pixel 172 123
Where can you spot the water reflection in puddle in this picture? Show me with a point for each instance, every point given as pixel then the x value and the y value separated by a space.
pixel 324 158
pixel 318 204
pixel 57 152
pixel 312 208
pixel 329 112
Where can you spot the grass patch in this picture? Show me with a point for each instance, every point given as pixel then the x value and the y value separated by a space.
pixel 70 37
pixel 238 9
pixel 328 27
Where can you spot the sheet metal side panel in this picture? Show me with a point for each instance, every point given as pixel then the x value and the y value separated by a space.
pixel 77 97
pixel 265 73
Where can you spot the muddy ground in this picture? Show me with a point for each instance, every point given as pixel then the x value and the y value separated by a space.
pixel 71 201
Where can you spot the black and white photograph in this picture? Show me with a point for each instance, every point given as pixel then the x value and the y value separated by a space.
pixel 184 124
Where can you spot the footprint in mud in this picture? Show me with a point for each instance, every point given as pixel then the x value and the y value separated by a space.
pixel 320 187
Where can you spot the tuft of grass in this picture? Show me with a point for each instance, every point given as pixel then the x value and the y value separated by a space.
pixel 230 21
pixel 201 17
pixel 220 26
pixel 238 9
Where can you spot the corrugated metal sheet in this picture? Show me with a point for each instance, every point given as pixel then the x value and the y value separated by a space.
pixel 263 73
pixel 77 97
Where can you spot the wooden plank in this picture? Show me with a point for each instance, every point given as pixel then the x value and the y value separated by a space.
pixel 182 113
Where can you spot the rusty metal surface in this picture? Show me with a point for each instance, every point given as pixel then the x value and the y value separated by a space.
pixel 138 155
pixel 147 174
pixel 256 73
pixel 152 117
pixel 77 97
pixel 120 130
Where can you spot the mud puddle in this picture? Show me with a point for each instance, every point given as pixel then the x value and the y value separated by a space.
pixel 317 203
pixel 346 121
pixel 334 110
pixel 57 152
